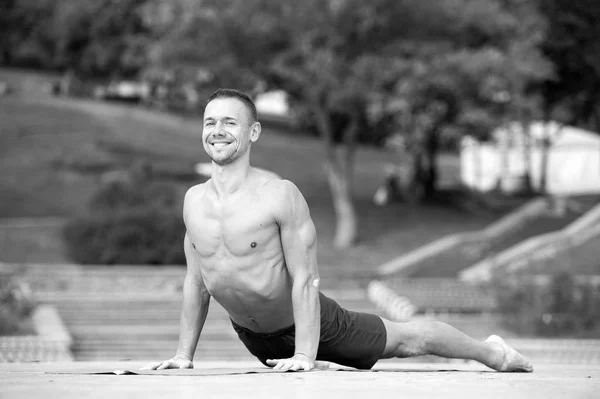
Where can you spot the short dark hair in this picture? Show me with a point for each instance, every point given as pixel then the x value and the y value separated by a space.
pixel 243 97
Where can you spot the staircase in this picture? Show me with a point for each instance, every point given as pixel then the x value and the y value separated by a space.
pixel 132 312
pixel 448 264
pixel 140 327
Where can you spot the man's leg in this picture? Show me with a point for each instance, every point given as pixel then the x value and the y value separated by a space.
pixel 438 338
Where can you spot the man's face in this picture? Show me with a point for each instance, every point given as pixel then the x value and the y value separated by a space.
pixel 228 130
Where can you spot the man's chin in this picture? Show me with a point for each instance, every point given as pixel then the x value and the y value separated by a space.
pixel 222 161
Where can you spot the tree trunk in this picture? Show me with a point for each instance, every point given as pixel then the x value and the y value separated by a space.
pixel 346 227
pixel 545 148
pixel 430 177
pixel 527 148
pixel 338 168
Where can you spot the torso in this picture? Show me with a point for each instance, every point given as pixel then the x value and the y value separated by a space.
pixel 240 254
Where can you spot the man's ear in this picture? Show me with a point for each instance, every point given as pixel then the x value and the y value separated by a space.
pixel 255 130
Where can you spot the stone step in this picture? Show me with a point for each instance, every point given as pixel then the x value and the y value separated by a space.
pixel 101 355
pixel 143 279
pixel 145 325
pixel 128 331
pixel 442 294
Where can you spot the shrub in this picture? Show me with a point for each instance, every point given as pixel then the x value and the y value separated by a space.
pixel 142 236
pixel 15 308
pixel 129 223
pixel 124 196
pixel 562 306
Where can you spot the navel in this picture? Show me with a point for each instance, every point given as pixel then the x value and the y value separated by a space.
pixel 193 245
pixel 253 245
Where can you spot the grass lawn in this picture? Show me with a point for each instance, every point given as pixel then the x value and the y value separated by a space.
pixel 40 134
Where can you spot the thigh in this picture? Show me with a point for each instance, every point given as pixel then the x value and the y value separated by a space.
pixel 277 346
pixel 350 338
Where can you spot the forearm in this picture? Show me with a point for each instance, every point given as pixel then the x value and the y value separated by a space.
pixel 193 316
pixel 307 318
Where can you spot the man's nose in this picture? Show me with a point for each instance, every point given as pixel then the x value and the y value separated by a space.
pixel 219 128
pixel 219 131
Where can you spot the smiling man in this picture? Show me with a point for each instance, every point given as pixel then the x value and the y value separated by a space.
pixel 251 245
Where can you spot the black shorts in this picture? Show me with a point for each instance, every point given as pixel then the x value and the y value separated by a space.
pixel 348 338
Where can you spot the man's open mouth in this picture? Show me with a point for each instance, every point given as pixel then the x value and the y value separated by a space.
pixel 219 144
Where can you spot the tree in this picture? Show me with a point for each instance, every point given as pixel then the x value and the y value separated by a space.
pixel 478 77
pixel 107 37
pixel 336 58
pixel 572 45
pixel 25 32
pixel 91 37
pixel 322 53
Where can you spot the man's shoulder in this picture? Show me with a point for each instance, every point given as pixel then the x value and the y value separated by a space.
pixel 196 191
pixel 283 198
pixel 265 174
pixel 279 188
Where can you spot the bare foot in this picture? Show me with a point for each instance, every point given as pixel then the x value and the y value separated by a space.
pixel 511 359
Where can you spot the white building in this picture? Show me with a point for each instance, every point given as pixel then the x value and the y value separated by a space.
pixel 572 159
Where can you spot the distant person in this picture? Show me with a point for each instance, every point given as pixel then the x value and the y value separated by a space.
pixel 251 244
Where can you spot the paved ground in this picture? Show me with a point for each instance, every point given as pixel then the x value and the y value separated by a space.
pixel 215 380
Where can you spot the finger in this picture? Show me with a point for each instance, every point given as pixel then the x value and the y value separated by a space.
pixel 305 366
pixel 286 366
pixel 164 365
pixel 151 366
pixel 186 365
pixel 296 367
pixel 279 365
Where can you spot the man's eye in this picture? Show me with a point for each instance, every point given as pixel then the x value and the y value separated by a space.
pixel 209 123
pixel 230 123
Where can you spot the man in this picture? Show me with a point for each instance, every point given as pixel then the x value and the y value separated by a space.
pixel 251 244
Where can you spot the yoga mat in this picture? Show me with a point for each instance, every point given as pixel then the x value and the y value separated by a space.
pixel 237 371
pixel 180 372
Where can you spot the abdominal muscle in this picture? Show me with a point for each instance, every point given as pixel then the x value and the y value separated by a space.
pixel 255 292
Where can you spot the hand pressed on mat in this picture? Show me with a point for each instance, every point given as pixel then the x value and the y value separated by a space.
pixel 177 362
pixel 298 362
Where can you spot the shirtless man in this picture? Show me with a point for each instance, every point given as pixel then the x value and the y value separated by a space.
pixel 251 244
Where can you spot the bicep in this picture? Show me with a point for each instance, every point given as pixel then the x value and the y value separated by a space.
pixel 193 274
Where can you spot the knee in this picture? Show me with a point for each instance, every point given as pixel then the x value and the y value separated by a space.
pixel 412 340
pixel 421 339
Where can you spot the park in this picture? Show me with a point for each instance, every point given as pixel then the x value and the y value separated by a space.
pixel 100 134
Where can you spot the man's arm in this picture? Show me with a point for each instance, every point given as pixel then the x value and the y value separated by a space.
pixel 193 314
pixel 195 305
pixel 299 242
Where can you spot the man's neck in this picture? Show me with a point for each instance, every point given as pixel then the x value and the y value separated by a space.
pixel 229 179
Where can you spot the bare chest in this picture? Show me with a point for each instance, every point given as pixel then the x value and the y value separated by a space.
pixel 231 231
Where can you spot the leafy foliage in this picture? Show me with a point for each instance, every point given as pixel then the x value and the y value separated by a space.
pixel 572 46
pixel 129 223
pixel 356 70
pixel 103 37
pixel 429 71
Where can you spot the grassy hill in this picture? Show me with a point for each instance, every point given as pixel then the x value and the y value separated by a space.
pixel 53 151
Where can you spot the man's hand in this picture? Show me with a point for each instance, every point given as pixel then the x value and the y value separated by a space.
pixel 178 362
pixel 296 363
